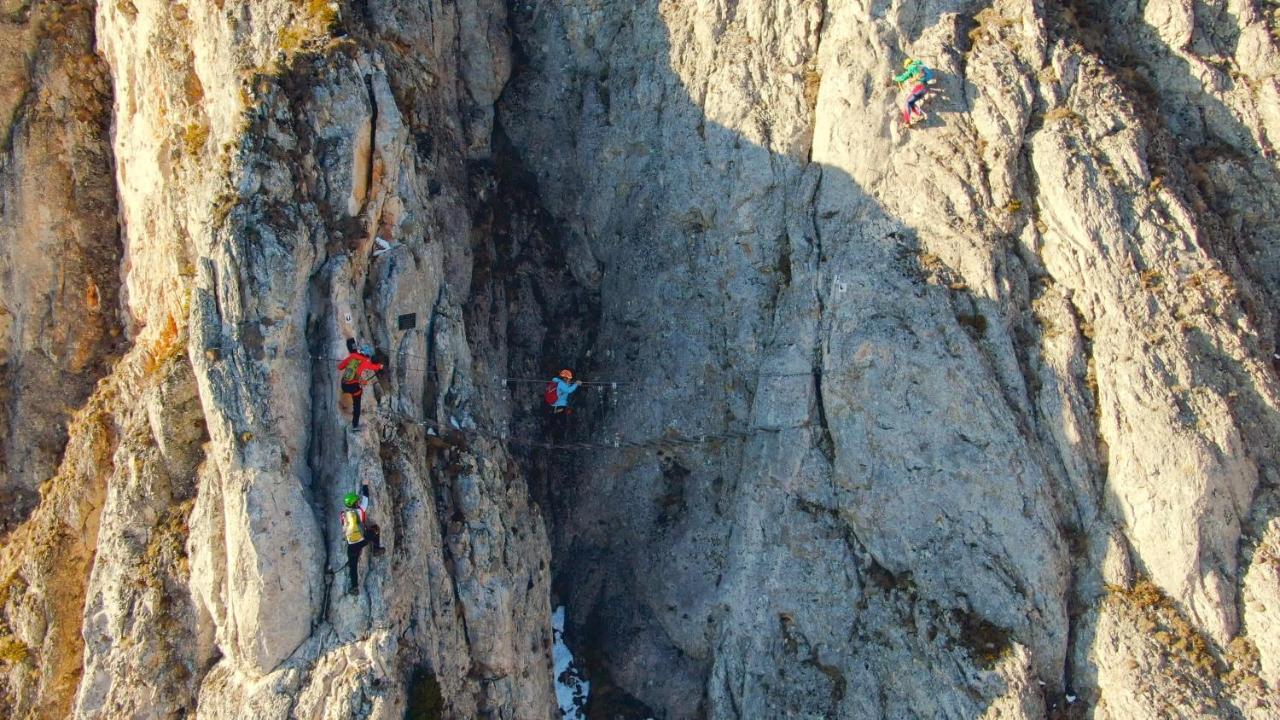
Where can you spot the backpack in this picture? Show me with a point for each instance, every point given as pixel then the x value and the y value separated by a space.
pixel 550 394
pixel 351 526
pixel 349 373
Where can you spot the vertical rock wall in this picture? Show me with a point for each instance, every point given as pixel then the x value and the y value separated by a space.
pixel 259 149
pixel 59 290
pixel 1004 379
pixel 971 420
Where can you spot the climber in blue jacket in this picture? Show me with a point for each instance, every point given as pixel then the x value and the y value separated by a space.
pixel 559 389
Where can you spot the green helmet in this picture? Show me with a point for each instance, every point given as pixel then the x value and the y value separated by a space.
pixel 350 499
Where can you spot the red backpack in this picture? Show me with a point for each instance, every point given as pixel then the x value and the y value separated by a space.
pixel 550 394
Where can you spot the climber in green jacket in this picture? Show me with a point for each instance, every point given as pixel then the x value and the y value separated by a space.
pixel 913 68
pixel 916 77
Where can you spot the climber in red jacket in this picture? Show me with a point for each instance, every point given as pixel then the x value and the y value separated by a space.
pixel 357 370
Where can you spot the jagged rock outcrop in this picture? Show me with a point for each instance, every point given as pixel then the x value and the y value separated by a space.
pixel 971 420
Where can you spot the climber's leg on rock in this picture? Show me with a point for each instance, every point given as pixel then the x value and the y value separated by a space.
pixel 353 565
pixel 354 390
pixel 914 99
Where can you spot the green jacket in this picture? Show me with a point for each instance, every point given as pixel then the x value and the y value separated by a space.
pixel 916 68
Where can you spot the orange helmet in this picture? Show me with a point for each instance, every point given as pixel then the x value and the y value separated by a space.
pixel 566 374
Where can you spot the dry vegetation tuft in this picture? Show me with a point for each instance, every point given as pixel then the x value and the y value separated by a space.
pixel 1061 113
pixel 165 347
pixel 812 81
pixel 194 136
pixel 1159 619
pixel 315 20
pixel 12 650
pixel 989 22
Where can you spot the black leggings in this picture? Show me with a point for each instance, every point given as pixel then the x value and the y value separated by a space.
pixel 355 391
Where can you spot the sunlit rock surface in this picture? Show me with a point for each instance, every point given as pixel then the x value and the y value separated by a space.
pixel 972 419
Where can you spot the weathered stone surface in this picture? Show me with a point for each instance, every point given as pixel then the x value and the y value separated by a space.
pixel 258 154
pixel 59 252
pixel 975 419
pixel 1020 349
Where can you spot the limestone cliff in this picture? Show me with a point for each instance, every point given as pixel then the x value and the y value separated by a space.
pixel 1006 376
pixel 59 247
pixel 972 419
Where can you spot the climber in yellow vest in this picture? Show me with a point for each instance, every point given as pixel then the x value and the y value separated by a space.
pixel 358 532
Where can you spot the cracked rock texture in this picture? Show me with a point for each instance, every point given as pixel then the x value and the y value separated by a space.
pixel 971 420
pixel 59 248
pixel 1006 377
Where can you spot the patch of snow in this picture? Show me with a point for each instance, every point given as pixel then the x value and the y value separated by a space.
pixel 571 688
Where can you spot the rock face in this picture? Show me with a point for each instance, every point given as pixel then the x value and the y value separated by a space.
pixel 59 289
pixel 974 419
pixel 258 150
pixel 994 377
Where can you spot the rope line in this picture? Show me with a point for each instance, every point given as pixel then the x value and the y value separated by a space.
pixel 501 380
pixel 504 381
pixel 667 441
pixel 580 382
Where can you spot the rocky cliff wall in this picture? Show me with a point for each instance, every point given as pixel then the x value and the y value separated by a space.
pixel 974 419
pixel 1004 379
pixel 59 248
pixel 259 148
